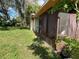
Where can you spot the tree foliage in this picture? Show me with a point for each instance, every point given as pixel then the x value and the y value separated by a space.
pixel 33 8
pixel 22 7
pixel 66 6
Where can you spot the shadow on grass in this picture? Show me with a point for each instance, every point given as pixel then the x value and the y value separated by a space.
pixel 24 28
pixel 41 51
pixel 4 28
pixel 12 28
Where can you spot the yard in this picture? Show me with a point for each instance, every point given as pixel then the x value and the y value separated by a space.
pixel 14 44
pixel 22 44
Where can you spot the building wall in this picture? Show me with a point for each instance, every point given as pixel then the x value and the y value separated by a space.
pixel 62 26
pixel 32 24
pixel 48 25
pixel 52 25
pixel 77 31
pixel 67 25
pixel 58 24
pixel 43 24
pixel 37 25
pixel 72 25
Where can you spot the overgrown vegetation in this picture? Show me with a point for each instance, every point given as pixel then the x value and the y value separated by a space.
pixel 43 50
pixel 66 6
pixel 72 47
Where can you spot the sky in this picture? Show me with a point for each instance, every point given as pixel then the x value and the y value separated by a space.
pixel 41 2
pixel 12 12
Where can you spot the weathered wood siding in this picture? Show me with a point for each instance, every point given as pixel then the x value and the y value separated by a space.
pixel 62 25
pixel 48 25
pixel 67 25
pixel 72 25
pixel 52 25
pixel 37 25
pixel 59 24
pixel 77 31
pixel 42 24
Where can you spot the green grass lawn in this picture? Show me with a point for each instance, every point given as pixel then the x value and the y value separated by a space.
pixel 14 44
pixel 22 44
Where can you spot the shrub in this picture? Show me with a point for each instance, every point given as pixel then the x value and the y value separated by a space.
pixel 72 47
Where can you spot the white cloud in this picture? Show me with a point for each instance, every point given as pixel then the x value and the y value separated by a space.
pixel 41 2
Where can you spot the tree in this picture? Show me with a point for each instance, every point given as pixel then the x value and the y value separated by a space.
pixel 20 5
pixel 4 9
pixel 32 8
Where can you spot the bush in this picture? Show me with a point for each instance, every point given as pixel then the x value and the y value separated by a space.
pixel 72 47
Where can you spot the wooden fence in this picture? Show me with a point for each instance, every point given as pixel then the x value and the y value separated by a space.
pixel 67 25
